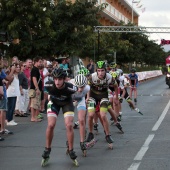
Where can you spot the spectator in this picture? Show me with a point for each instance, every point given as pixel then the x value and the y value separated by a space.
pixel 3 101
pixel 36 84
pixel 27 70
pixel 64 64
pixel 47 66
pixel 90 66
pixel 23 99
pixel 55 64
pixel 15 60
pixel 13 91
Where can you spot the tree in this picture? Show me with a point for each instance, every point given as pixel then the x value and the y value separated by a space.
pixel 30 22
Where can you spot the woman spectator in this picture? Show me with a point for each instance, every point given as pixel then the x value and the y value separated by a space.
pixel 23 99
pixel 12 92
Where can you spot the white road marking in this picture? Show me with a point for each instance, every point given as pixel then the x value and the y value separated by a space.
pixel 161 118
pixel 139 156
pixel 144 148
pixel 134 166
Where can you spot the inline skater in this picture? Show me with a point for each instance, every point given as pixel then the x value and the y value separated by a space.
pixel 133 84
pixel 60 96
pixel 79 98
pixel 86 73
pixel 124 93
pixel 99 83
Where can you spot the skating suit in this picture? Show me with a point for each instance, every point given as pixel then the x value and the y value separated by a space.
pixel 61 98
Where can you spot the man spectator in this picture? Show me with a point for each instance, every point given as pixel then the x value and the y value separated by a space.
pixel 15 59
pixel 90 66
pixel 36 84
pixel 27 70
pixel 3 101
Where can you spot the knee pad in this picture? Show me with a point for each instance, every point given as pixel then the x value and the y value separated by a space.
pixel 128 99
pixel 91 104
pixel 104 103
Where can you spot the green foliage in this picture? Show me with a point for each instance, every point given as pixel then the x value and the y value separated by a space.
pixel 64 27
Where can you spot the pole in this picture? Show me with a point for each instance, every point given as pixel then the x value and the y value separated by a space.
pixel 115 56
pixel 94 51
pixel 132 11
pixel 98 44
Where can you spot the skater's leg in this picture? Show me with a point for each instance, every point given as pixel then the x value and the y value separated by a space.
pixel 69 130
pixel 50 130
pixel 82 125
pixel 105 122
pixel 113 114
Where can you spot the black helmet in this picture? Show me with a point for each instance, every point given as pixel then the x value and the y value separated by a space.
pixel 133 70
pixel 59 73
pixel 113 65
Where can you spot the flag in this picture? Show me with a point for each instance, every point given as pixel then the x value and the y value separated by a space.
pixel 133 1
pixel 143 10
pixel 137 4
pixel 140 6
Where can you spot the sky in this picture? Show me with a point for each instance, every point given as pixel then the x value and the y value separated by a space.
pixel 156 14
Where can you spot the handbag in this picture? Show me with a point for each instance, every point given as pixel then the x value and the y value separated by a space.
pixel 31 93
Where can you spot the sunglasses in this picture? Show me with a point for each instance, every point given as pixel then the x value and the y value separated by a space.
pixel 24 65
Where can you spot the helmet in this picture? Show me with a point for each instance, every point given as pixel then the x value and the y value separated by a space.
pixel 113 74
pixel 133 70
pixel 80 80
pixel 101 64
pixel 113 65
pixel 84 71
pixel 59 73
pixel 120 71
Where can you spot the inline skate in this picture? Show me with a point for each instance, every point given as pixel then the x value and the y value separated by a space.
pixel 109 141
pixel 73 157
pixel 46 157
pixel 83 148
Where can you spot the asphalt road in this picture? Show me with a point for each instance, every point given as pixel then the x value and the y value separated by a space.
pixel 145 145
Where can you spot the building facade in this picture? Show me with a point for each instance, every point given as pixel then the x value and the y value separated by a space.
pixel 117 11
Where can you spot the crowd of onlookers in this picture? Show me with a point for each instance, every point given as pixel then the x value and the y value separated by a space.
pixel 16 80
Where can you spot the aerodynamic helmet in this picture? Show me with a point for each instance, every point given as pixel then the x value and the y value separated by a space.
pixel 80 80
pixel 113 65
pixel 101 64
pixel 59 73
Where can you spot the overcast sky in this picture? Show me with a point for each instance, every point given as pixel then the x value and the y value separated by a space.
pixel 157 14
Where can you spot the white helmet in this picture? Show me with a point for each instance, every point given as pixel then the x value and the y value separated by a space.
pixel 80 80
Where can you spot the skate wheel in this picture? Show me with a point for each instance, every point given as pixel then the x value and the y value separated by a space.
pixel 75 162
pixel 44 162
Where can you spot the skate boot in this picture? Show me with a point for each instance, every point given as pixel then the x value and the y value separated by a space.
pixel 95 127
pixel 119 118
pixel 76 124
pixel 46 157
pixel 136 109
pixel 109 141
pixel 118 125
pixel 83 148
pixel 131 106
pixel 135 100
pixel 90 142
pixel 73 156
